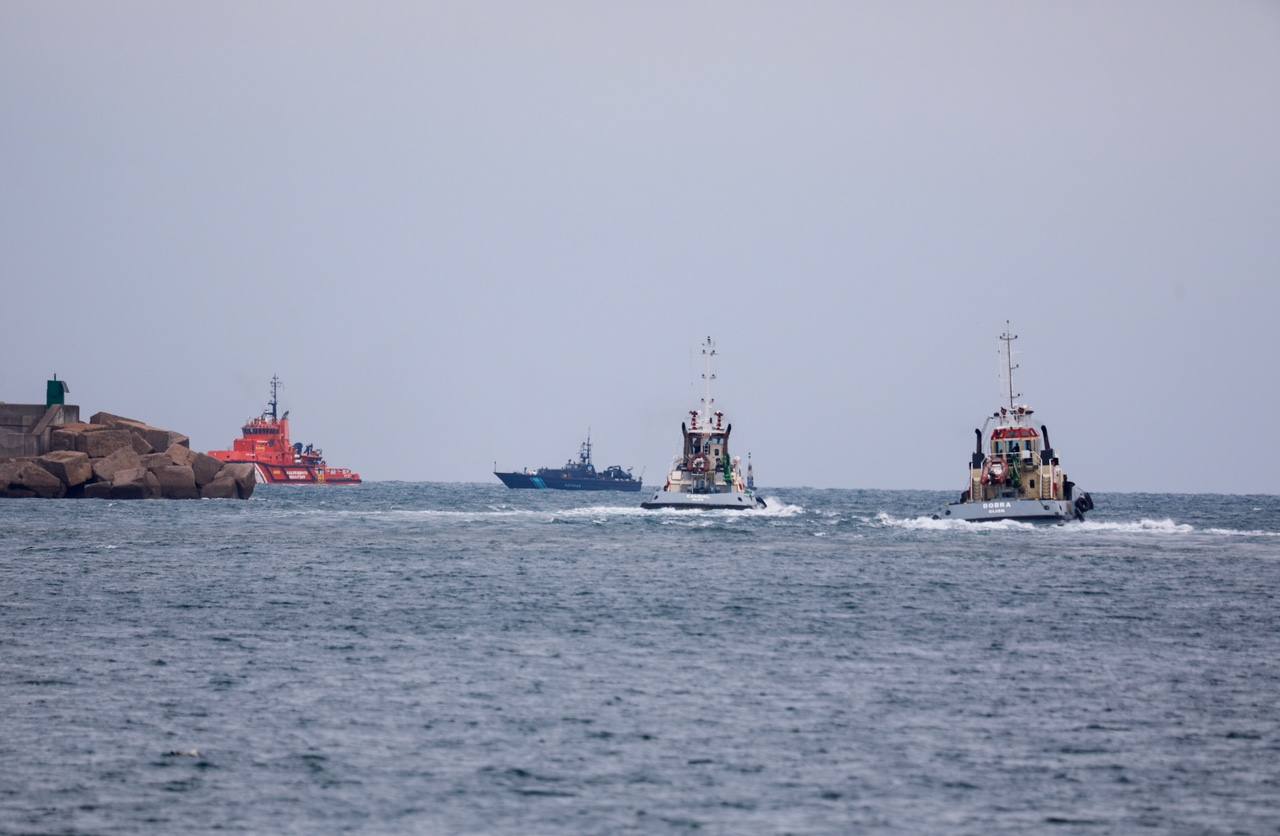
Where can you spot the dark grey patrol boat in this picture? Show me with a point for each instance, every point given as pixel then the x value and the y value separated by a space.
pixel 1017 476
pixel 704 475
pixel 573 476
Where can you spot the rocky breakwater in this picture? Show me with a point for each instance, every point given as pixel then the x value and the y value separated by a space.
pixel 119 458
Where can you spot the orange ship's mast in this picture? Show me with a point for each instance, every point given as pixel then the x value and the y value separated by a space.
pixel 274 402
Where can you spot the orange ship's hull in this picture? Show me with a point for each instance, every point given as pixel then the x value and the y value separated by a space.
pixel 299 474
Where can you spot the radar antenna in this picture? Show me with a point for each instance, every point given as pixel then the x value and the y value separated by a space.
pixel 584 453
pixel 708 375
pixel 1007 338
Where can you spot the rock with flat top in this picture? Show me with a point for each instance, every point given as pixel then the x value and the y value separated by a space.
pixel 70 467
pixel 177 481
pixel 64 437
pixel 105 469
pixel 106 419
pixel 103 443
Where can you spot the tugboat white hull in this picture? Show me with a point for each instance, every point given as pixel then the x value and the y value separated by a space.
pixel 726 501
pixel 1019 510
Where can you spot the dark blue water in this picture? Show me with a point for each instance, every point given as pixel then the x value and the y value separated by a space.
pixel 451 658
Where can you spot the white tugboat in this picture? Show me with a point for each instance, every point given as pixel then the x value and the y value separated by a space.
pixel 1018 477
pixel 705 475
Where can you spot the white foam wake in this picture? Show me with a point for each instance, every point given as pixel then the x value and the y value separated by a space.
pixel 773 508
pixel 1164 526
pixel 1145 525
pixel 930 524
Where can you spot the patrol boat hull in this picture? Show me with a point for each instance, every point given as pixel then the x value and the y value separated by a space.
pixel 725 501
pixel 567 482
pixel 1018 510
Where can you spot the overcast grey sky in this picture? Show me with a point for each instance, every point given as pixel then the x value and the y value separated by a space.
pixel 465 232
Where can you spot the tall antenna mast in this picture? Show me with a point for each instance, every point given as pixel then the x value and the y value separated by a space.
pixel 1007 338
pixel 275 386
pixel 708 375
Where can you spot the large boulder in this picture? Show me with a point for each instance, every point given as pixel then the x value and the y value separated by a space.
pixel 103 442
pixel 162 439
pixel 123 459
pixel 205 467
pixel 155 461
pixel 8 470
pixel 180 454
pixel 242 473
pixel 130 483
pixel 153 437
pixel 97 490
pixel 106 419
pixel 67 465
pixel 32 477
pixel 140 444
pixel 177 482
pixel 64 437
pixel 223 487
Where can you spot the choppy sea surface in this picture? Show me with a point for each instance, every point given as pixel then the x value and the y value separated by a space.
pixel 438 658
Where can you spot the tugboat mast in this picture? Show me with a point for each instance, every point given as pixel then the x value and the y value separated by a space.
pixel 708 352
pixel 1008 337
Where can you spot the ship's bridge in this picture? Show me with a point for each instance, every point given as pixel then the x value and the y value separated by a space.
pixel 706 442
pixel 1015 442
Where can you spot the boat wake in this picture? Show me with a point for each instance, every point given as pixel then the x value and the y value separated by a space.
pixel 774 508
pixel 930 524
pixel 1142 526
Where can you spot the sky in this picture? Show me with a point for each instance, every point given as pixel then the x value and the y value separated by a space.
pixel 465 232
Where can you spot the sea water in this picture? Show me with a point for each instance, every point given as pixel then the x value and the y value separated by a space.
pixel 466 659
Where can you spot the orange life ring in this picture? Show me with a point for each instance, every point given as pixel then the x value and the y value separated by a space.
pixel 698 464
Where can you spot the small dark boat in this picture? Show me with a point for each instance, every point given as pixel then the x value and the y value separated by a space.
pixel 580 475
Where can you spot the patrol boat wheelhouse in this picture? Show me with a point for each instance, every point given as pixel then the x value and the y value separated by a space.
pixel 705 475
pixel 1018 476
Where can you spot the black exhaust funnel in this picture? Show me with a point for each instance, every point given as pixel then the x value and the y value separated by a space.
pixel 1046 453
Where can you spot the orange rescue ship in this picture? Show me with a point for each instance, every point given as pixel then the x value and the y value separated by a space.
pixel 265 444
